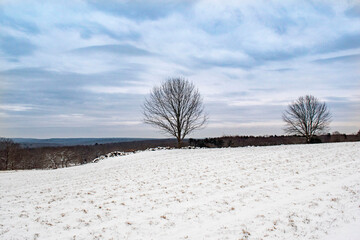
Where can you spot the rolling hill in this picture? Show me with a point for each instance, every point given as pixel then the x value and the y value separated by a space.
pixel 274 192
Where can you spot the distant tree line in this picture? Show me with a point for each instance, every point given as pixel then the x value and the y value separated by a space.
pixel 13 156
pixel 242 141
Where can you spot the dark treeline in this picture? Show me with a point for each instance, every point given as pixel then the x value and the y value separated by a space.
pixel 13 156
pixel 242 141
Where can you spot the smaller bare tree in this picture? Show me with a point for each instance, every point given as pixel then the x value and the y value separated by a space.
pixel 307 117
pixel 176 108
pixel 51 157
pixel 8 153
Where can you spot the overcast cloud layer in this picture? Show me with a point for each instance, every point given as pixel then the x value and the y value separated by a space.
pixel 83 68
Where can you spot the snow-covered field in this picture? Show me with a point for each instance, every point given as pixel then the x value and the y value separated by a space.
pixel 277 192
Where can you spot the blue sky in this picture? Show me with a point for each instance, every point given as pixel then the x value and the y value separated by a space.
pixel 83 68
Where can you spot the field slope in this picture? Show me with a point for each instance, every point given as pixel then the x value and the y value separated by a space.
pixel 277 192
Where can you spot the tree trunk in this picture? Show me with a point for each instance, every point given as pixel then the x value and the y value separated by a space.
pixel 7 159
pixel 179 143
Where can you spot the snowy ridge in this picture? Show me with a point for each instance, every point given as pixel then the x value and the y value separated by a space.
pixel 119 153
pixel 276 192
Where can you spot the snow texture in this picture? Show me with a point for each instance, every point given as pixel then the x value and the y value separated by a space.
pixel 276 192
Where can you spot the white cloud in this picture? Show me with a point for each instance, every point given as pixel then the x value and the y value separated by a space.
pixel 234 125
pixel 16 107
pixel 115 90
pixel 122 123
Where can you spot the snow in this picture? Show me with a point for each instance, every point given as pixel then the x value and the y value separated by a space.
pixel 348 232
pixel 276 192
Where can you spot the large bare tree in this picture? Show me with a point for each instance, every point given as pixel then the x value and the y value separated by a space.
pixel 307 117
pixel 176 108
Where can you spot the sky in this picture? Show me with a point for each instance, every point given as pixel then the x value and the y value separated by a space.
pixel 83 68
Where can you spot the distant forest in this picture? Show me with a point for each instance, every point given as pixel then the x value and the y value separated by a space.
pixel 15 156
pixel 62 142
pixel 243 141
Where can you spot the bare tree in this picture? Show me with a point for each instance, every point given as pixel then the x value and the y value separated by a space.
pixel 51 157
pixel 176 108
pixel 60 157
pixel 8 153
pixel 307 117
